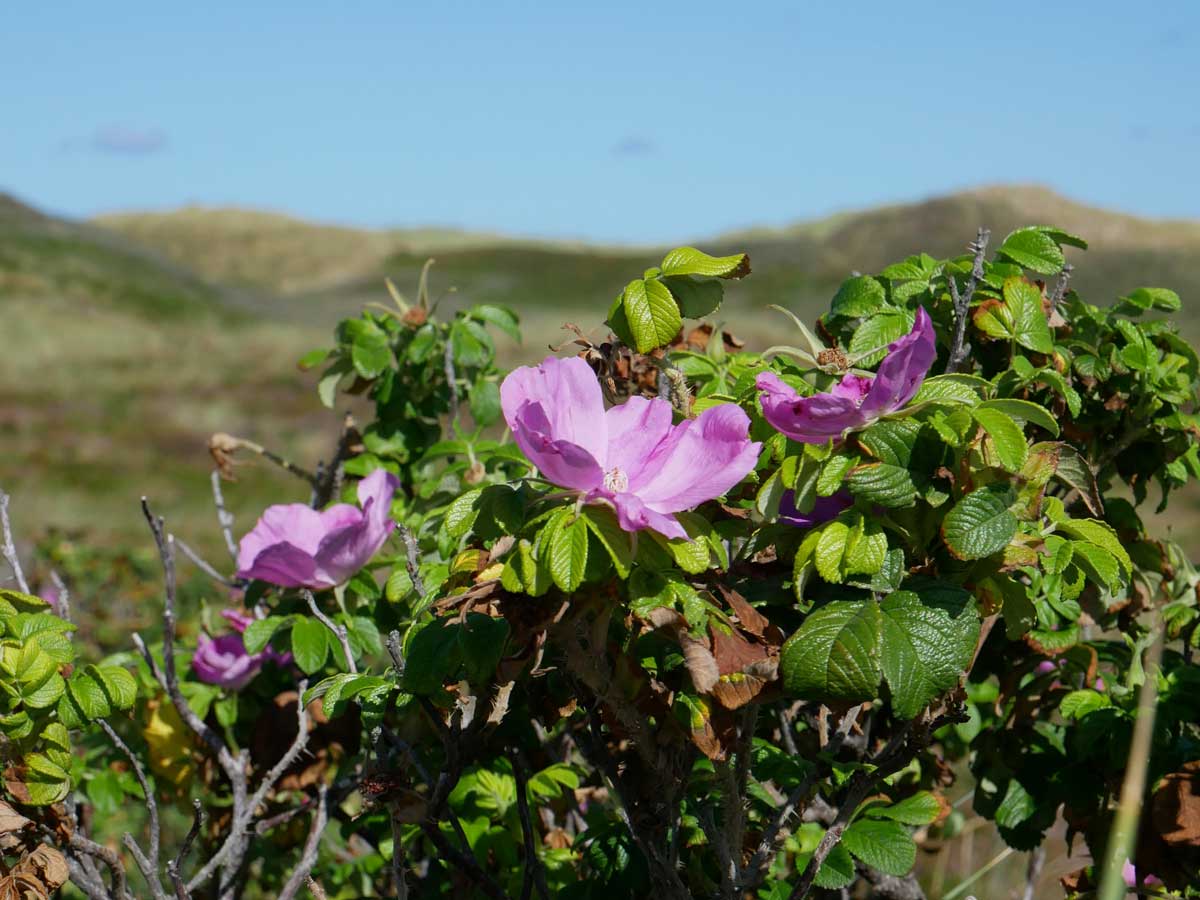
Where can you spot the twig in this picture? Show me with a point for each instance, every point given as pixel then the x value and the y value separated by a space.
pixel 224 516
pixel 465 862
pixel 81 844
pixel 396 650
pixel 329 478
pixel 412 559
pixel 312 847
pixel 64 596
pixel 451 379
pixel 204 566
pixel 238 830
pixel 222 445
pixel 962 886
pixel 150 869
pixel 1036 860
pixel 534 874
pixel 962 302
pixel 861 784
pixel 398 878
pixel 1060 289
pixel 756 869
pixel 339 631
pixel 175 866
pixel 10 549
pixel 314 888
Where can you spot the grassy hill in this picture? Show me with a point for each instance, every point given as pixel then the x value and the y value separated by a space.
pixel 133 337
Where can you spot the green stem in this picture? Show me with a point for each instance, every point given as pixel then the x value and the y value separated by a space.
pixel 1123 836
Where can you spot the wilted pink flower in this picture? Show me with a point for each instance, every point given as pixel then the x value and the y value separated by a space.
pixel 631 456
pixel 1130 876
pixel 224 661
pixel 824 509
pixel 857 400
pixel 296 546
pixel 1046 666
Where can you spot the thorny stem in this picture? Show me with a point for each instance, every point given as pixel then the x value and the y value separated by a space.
pixel 311 848
pixel 1060 289
pixel 151 868
pixel 451 379
pixel 962 302
pixel 224 517
pixel 534 875
pixel 412 559
pixel 175 866
pixel 204 566
pixel 339 631
pixel 756 870
pixel 9 548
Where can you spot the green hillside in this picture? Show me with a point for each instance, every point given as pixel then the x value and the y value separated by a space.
pixel 131 338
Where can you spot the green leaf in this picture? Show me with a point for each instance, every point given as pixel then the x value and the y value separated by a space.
pixel 604 525
pixel 369 350
pixel 857 297
pixel 1142 299
pixel 485 401
pixel 1024 411
pixel 690 261
pixel 835 653
pixel 88 695
pixel 331 379
pixel 873 336
pixel 652 314
pixel 117 683
pixel 922 808
pixel 837 871
pixel 697 297
pixel 482 641
pixel 883 845
pixel 1078 704
pixel 47 783
pixel 1030 328
pixel 833 474
pixel 1099 533
pixel 1007 438
pixel 259 632
pixel 46 694
pixel 502 317
pixel 1034 249
pixel 310 644
pixel 927 640
pixel 568 550
pixel 432 653
pixel 888 485
pixel 980 524
pixel 470 343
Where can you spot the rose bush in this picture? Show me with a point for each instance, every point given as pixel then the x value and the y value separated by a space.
pixel 701 622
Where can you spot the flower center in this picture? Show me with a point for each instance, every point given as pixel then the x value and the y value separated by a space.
pixel 616 481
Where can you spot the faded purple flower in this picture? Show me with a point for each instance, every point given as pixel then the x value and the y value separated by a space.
pixel 293 545
pixel 857 400
pixel 631 456
pixel 1130 876
pixel 824 509
pixel 223 660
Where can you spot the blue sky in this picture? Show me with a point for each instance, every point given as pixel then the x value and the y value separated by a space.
pixel 615 121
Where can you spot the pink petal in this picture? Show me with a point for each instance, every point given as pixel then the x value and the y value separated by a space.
pixel 903 370
pixel 560 461
pixel 293 523
pixel 635 429
pixel 701 460
pixel 282 564
pixel 633 515
pixel 343 552
pixel 809 420
pixel 569 396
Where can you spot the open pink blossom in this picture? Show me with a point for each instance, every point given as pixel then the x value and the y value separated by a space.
pixel 631 456
pixel 857 400
pixel 224 661
pixel 293 545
